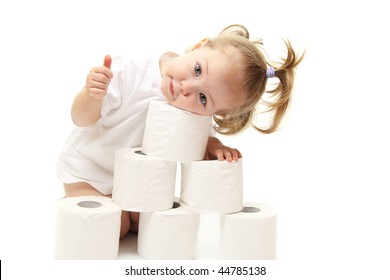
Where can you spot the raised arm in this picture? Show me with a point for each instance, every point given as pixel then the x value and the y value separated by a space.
pixel 87 104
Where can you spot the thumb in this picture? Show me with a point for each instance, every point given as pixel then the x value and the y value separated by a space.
pixel 107 61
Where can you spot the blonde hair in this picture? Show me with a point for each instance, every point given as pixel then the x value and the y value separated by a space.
pixel 253 79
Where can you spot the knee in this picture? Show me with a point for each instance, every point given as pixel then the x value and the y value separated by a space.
pixel 80 189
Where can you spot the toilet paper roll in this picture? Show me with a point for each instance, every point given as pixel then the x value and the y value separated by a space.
pixel 208 236
pixel 175 134
pixel 143 183
pixel 87 228
pixel 212 186
pixel 168 235
pixel 249 234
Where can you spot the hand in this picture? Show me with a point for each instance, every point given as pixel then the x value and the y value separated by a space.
pixel 99 78
pixel 216 150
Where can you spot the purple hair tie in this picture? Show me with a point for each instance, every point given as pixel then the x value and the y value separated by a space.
pixel 270 73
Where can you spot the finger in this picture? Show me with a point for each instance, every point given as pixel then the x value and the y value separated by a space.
pixel 219 154
pixel 107 61
pixel 100 78
pixel 97 85
pixel 227 154
pixel 235 154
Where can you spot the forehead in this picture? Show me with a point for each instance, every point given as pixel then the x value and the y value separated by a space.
pixel 223 77
pixel 220 57
pixel 218 65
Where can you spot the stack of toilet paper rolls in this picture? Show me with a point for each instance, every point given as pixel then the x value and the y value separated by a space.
pixel 144 181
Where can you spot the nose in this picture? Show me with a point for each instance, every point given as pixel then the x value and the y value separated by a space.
pixel 186 88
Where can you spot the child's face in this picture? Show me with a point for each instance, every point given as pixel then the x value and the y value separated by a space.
pixel 203 81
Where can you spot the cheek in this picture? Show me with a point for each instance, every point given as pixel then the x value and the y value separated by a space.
pixel 182 103
pixel 165 90
pixel 171 68
pixel 187 105
pixel 179 103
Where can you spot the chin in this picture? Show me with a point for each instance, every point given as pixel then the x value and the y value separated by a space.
pixel 167 97
pixel 172 102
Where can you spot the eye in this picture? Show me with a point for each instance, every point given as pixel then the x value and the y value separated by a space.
pixel 203 98
pixel 198 70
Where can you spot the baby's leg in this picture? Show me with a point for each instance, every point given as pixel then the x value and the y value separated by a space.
pixel 83 188
pixel 134 220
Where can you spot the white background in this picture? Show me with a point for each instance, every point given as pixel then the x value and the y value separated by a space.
pixel 326 171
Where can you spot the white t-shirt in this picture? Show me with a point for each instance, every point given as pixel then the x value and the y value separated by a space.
pixel 88 154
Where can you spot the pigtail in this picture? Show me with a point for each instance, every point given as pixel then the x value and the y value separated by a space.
pixel 236 30
pixel 280 95
pixel 254 78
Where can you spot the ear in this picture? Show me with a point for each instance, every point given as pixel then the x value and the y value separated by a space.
pixel 198 45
